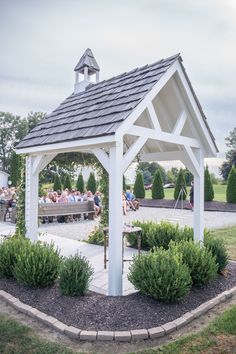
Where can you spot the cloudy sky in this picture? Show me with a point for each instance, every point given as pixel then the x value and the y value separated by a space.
pixel 42 40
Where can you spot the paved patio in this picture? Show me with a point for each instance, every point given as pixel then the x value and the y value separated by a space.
pixel 69 238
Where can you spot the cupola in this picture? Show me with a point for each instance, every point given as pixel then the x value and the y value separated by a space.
pixel 84 70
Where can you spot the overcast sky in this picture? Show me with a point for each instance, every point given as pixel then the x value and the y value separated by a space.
pixel 41 41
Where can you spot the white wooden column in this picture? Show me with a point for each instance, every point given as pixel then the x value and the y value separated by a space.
pixel 115 220
pixel 31 199
pixel 198 218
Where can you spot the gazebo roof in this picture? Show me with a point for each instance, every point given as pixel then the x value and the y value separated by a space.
pixel 88 60
pixel 100 109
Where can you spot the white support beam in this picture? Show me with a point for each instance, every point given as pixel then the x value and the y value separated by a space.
pixel 162 156
pixel 163 136
pixel 41 161
pixel 31 199
pixel 102 157
pixel 180 123
pixel 192 161
pixel 115 221
pixel 132 152
pixel 155 121
pixel 198 217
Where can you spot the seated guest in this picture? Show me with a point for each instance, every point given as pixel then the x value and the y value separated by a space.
pixel 97 203
pixel 63 198
pixel 45 200
pixel 72 196
pixel 130 199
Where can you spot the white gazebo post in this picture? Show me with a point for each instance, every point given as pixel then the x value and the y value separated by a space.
pixel 198 217
pixel 31 199
pixel 115 220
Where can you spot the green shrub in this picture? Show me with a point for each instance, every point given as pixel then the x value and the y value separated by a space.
pixel 80 183
pixel 180 183
pixel 146 227
pixel 208 187
pixel 201 262
pixel 231 186
pixel 96 237
pixel 139 190
pixel 67 182
pixel 37 265
pixel 9 249
pixel 161 274
pixel 162 234
pixel 75 274
pixel 92 184
pixel 217 247
pixel 57 186
pixel 157 186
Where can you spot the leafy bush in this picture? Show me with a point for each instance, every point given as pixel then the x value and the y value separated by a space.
pixel 146 227
pixel 157 186
pixel 208 187
pixel 37 265
pixel 231 186
pixel 9 249
pixel 217 247
pixel 201 262
pixel 80 183
pixel 161 274
pixel 139 190
pixel 180 183
pixel 162 234
pixel 96 237
pixel 75 274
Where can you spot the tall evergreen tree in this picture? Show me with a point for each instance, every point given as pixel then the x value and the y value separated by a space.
pixel 157 186
pixel 80 183
pixel 139 190
pixel 91 184
pixel 208 187
pixel 67 183
pixel 57 186
pixel 231 186
pixel 180 183
pixel 15 169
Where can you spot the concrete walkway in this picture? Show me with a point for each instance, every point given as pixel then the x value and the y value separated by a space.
pixel 68 238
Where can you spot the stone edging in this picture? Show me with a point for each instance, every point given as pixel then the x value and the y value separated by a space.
pixel 121 336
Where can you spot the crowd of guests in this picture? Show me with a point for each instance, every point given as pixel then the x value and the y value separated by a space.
pixel 8 194
pixel 71 196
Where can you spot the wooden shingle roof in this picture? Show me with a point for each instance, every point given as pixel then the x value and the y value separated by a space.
pixel 100 109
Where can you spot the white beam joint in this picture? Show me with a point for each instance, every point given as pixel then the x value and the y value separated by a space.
pixel 180 123
pixel 102 157
pixel 132 152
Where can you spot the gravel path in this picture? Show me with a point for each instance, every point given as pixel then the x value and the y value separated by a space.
pixel 98 312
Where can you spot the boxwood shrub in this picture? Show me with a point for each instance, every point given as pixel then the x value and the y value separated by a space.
pixel 200 261
pixel 75 275
pixel 37 265
pixel 9 250
pixel 217 247
pixel 161 274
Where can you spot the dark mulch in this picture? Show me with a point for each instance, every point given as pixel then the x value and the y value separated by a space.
pixel 169 203
pixel 99 312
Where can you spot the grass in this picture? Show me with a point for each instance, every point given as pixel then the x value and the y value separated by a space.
pixel 219 189
pixel 16 338
pixel 219 337
pixel 228 234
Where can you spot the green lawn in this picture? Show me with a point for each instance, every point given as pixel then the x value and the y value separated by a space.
pixel 219 337
pixel 228 234
pixel 16 338
pixel 219 189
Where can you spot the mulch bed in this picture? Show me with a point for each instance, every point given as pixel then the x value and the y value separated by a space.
pixel 169 204
pixel 99 312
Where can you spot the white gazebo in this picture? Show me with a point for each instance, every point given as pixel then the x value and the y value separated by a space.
pixel 151 111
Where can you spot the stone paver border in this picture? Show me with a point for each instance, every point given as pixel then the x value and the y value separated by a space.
pixel 120 336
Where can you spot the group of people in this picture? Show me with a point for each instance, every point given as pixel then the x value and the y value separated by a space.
pixel 129 201
pixel 72 196
pixel 8 194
